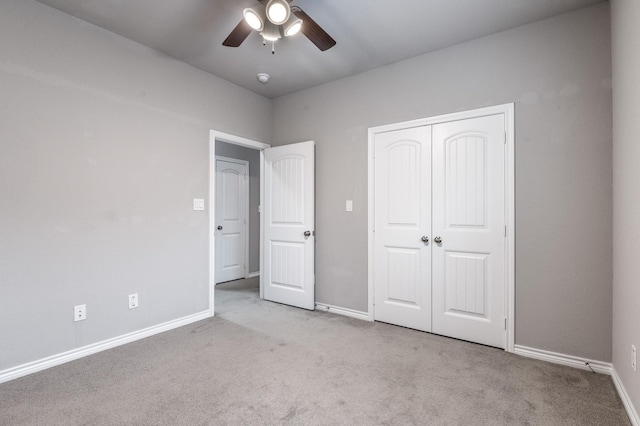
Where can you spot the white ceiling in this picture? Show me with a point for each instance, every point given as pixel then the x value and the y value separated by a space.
pixel 369 33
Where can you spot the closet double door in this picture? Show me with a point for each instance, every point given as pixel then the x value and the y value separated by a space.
pixel 439 233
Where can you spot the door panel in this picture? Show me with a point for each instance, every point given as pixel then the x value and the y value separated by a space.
pixel 288 213
pixel 403 216
pixel 469 217
pixel 231 199
pixel 466 283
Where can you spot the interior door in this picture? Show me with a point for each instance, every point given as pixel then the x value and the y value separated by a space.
pixel 402 164
pixel 231 223
pixel 289 236
pixel 469 230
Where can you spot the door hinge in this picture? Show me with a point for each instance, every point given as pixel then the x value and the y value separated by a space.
pixel 505 230
pixel 505 138
pixel 505 323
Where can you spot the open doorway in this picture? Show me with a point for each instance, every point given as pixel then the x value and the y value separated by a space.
pixel 237 219
pixel 235 199
pixel 286 224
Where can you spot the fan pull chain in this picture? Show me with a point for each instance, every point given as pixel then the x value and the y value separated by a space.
pixel 273 47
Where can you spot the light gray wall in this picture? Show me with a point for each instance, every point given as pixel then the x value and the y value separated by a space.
pixel 625 16
pixel 558 74
pixel 253 157
pixel 103 145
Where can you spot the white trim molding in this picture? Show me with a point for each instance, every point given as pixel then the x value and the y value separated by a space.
pixel 253 274
pixel 64 357
pixel 563 359
pixel 584 364
pixel 343 311
pixel 626 399
pixel 236 140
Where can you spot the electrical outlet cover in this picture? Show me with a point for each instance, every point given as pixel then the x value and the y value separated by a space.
pixel 80 312
pixel 133 300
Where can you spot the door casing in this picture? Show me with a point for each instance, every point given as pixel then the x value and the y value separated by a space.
pixel 509 113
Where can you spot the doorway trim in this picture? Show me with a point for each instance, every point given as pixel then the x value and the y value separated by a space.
pixel 247 197
pixel 509 114
pixel 214 136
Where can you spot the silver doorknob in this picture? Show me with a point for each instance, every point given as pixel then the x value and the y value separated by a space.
pixel 219 228
pixel 425 239
pixel 307 233
pixel 437 240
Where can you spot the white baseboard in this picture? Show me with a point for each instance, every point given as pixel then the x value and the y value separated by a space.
pixel 52 361
pixel 626 399
pixel 253 274
pixel 342 311
pixel 562 359
pixel 582 363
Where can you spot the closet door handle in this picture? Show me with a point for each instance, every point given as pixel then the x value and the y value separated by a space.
pixel 307 233
pixel 437 240
pixel 425 239
pixel 219 228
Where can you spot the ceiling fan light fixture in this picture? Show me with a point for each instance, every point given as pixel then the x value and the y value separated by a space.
pixel 292 26
pixel 278 11
pixel 270 32
pixel 254 18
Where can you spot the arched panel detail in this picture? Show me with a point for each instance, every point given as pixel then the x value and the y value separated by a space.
pixel 287 203
pixel 466 180
pixel 403 163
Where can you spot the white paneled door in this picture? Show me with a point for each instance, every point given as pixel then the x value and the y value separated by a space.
pixel 231 220
pixel 403 225
pixel 288 257
pixel 439 231
pixel 469 220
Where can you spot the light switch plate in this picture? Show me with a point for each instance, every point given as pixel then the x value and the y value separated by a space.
pixel 198 204
pixel 349 207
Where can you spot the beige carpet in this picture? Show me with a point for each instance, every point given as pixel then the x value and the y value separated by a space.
pixel 261 363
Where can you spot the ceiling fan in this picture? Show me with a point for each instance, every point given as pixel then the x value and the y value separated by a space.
pixel 274 19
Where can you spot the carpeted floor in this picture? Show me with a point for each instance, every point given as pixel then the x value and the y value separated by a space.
pixel 260 363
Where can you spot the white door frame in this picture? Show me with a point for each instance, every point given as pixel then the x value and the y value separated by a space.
pixel 245 163
pixel 509 113
pixel 214 136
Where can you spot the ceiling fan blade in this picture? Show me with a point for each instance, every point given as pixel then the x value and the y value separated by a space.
pixel 313 31
pixel 238 35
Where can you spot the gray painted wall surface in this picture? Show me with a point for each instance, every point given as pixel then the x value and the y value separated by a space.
pixel 253 157
pixel 625 15
pixel 103 145
pixel 558 73
pixel 100 158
